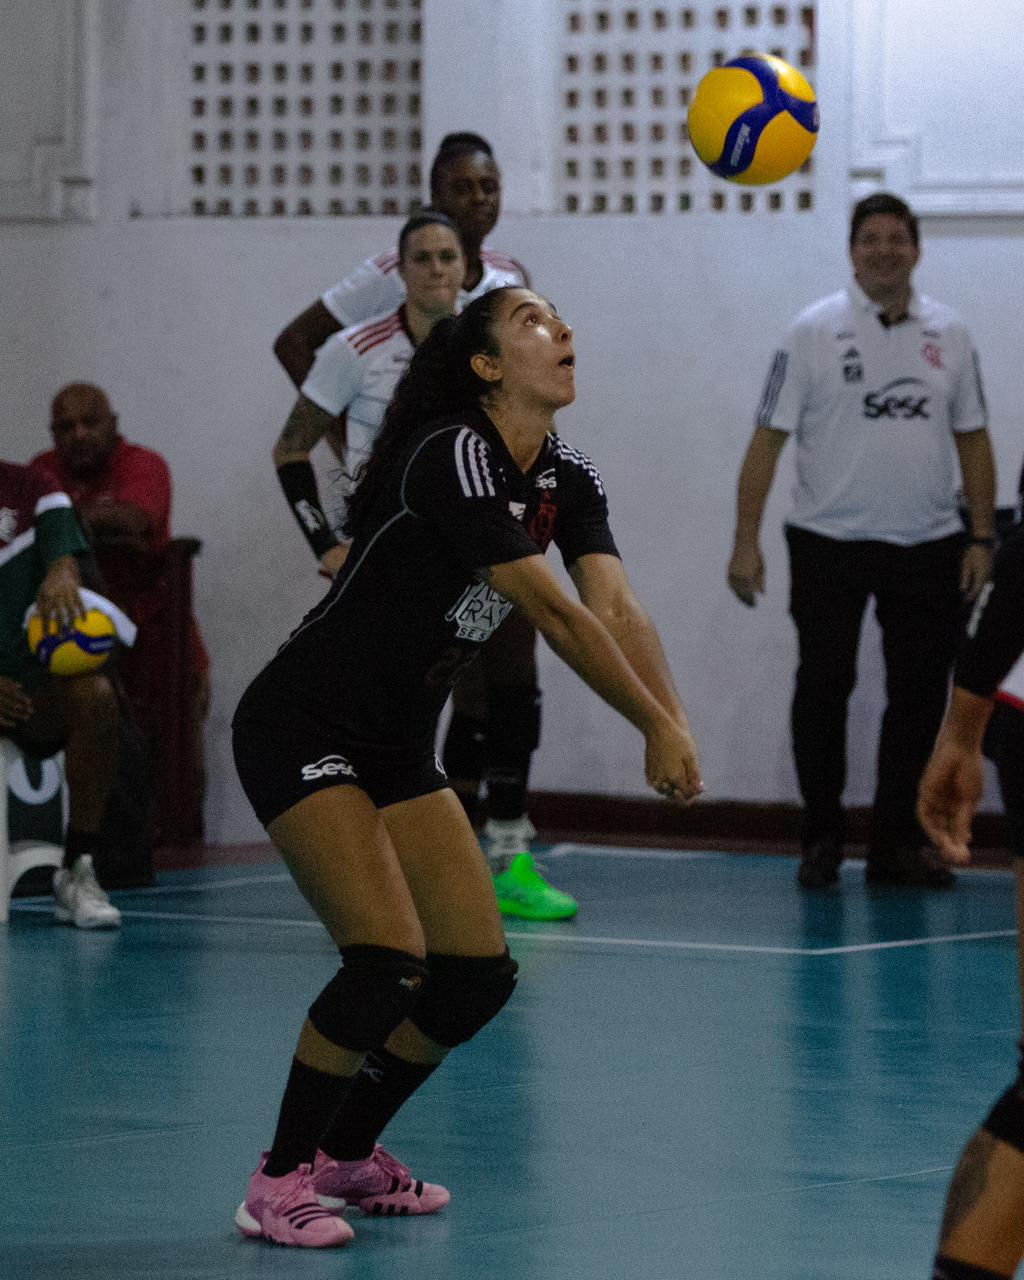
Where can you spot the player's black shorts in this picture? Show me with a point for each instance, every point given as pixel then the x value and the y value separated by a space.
pixel 281 761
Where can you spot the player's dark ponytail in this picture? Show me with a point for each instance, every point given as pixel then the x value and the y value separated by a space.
pixel 438 383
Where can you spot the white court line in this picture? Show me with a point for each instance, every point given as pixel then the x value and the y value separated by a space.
pixel 563 849
pixel 201 886
pixel 665 944
pixel 654 943
pixel 915 942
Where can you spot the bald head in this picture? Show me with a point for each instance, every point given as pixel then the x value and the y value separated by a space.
pixel 84 427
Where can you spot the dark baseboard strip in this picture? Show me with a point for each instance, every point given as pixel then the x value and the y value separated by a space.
pixel 728 822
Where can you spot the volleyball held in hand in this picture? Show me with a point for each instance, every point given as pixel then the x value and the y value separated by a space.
pixel 754 120
pixel 76 649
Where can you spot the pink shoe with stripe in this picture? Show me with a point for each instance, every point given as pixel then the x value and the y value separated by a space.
pixel 380 1185
pixel 287 1211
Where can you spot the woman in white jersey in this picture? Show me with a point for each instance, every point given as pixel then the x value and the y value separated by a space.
pixel 495 725
pixel 465 184
pixel 357 370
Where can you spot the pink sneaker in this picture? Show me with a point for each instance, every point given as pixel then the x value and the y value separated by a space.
pixel 379 1185
pixel 286 1210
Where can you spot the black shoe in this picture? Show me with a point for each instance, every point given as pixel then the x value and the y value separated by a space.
pixel 819 865
pixel 916 868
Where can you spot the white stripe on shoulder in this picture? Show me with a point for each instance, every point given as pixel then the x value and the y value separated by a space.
pixel 49 501
pixel 16 547
pixel 566 451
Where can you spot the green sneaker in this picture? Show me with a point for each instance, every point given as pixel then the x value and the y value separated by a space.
pixel 522 891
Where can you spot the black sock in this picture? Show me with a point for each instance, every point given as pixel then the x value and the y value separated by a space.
pixel 384 1083
pixel 311 1097
pixel 78 844
pixel 951 1269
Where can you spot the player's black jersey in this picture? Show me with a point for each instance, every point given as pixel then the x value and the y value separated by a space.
pixel 995 633
pixel 407 613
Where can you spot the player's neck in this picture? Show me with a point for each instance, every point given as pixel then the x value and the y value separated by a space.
pixel 474 264
pixel 419 322
pixel 523 429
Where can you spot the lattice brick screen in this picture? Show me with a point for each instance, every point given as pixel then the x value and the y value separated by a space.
pixel 304 107
pixel 629 70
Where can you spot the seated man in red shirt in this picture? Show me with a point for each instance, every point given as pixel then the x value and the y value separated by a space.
pixel 122 492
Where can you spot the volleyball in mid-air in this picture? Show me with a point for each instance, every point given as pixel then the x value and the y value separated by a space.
pixel 753 120
pixel 76 649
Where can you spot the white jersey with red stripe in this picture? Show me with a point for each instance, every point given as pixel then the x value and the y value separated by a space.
pixel 1011 691
pixel 375 287
pixel 355 373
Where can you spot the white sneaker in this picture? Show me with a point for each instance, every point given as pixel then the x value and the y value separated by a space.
pixel 506 838
pixel 80 900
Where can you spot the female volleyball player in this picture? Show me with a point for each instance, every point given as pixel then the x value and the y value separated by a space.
pixel 357 370
pixel 495 723
pixel 982 1235
pixel 334 740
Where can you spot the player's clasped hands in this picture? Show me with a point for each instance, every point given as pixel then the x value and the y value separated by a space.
pixel 672 765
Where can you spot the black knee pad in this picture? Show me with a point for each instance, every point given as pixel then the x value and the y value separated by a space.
pixel 513 723
pixel 464 743
pixel 462 994
pixel 1006 1119
pixel 374 990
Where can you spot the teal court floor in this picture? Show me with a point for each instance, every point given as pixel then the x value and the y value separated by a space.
pixel 707 1076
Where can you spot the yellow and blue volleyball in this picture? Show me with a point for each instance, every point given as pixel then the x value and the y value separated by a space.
pixel 74 650
pixel 754 120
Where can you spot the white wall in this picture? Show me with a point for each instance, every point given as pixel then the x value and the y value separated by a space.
pixel 676 319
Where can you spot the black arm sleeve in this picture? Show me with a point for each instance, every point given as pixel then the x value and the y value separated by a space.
pixel 299 485
pixel 994 638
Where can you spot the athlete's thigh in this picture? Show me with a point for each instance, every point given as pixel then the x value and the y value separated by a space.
pixel 447 874
pixel 337 848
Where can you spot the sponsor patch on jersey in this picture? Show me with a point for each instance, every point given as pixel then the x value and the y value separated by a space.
pixel 328 767
pixel 546 480
pixel 897 399
pixel 932 352
pixel 478 612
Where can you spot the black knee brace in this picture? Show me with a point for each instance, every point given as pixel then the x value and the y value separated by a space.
pixel 1006 1119
pixel 462 994
pixel 373 991
pixel 463 755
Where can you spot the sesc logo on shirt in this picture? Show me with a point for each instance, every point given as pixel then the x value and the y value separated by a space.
pixel 897 399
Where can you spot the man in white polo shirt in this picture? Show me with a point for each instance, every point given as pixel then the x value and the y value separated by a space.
pixel 881 388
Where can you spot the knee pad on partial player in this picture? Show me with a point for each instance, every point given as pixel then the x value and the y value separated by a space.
pixel 1006 1119
pixel 513 723
pixel 463 754
pixel 462 995
pixel 374 990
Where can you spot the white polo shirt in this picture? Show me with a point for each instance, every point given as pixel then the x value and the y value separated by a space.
pixel 874 410
pixel 376 287
pixel 355 373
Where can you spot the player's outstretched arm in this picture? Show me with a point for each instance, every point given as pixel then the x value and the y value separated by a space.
pixel 583 642
pixel 952 782
pixel 606 591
